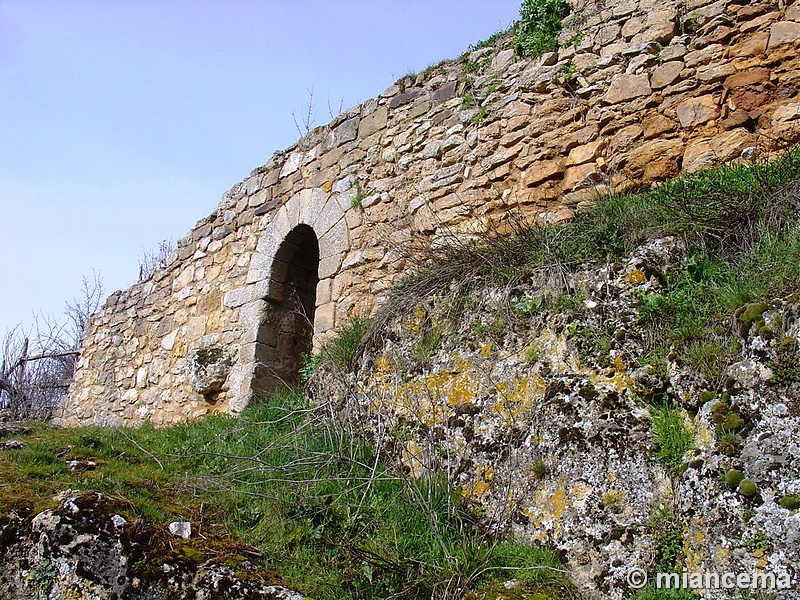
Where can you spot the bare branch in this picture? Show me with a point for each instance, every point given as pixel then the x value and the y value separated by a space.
pixel 335 113
pixel 308 118
pixel 37 366
pixel 153 260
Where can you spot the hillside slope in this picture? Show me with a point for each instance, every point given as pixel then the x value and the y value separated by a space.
pixel 624 388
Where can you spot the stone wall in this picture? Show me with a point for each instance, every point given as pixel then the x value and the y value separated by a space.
pixel 638 92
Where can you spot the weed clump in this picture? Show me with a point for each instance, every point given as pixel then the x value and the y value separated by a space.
pixel 790 502
pixel 672 436
pixel 538 27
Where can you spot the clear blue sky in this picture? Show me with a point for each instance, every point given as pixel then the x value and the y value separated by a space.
pixel 123 122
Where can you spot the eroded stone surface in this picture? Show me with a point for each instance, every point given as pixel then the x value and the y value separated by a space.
pixel 546 428
pixel 85 548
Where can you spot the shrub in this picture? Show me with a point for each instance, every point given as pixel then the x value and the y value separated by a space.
pixel 538 27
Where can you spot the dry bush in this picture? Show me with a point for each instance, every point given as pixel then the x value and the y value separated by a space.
pixel 36 366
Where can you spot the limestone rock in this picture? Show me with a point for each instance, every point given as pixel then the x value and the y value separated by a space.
pixel 181 529
pixel 94 552
pixel 207 369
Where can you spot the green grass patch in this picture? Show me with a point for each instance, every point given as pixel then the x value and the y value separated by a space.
pixel 340 352
pixel 325 511
pixel 672 436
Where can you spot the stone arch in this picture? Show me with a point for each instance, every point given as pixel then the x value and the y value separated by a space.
pixel 286 330
pixel 310 212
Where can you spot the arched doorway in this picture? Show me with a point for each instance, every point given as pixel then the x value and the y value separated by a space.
pixel 286 330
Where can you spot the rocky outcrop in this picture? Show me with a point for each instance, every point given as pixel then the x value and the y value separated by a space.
pixel 538 407
pixel 639 91
pixel 86 548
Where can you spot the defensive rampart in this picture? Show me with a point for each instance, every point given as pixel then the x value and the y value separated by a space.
pixel 639 91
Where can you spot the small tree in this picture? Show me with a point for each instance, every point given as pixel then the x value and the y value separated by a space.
pixel 36 367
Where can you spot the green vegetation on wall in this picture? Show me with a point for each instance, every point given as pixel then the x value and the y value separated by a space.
pixel 538 27
pixel 674 439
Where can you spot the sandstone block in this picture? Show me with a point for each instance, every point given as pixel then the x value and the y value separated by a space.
pixel 708 152
pixel 373 123
pixel 674 51
pixel 623 139
pixel 751 46
pixel 715 73
pixel 432 149
pixel 657 124
pixel 581 176
pixel 405 97
pixel 538 78
pixel 786 112
pixel 655 159
pixel 585 153
pixel 627 87
pixel 666 74
pixel 195 328
pixel 325 317
pixel 502 60
pixel 737 118
pixel 419 108
pixel 755 76
pixel 542 171
pixel 632 26
pixel 584 135
pixel 661 33
pixel 697 111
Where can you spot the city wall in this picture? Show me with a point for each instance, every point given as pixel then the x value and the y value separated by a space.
pixel 638 92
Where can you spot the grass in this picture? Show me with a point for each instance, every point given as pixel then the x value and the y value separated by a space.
pixel 316 502
pixel 341 351
pixel 671 435
pixel 739 226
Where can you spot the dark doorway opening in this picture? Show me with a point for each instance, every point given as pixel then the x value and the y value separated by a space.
pixel 287 328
